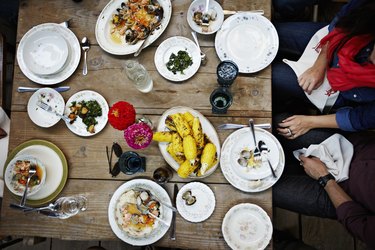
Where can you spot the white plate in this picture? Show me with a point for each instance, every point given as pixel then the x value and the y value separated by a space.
pixel 71 62
pixel 103 27
pixel 243 139
pixel 40 116
pixel 199 5
pixel 232 172
pixel 78 127
pixel 45 52
pixel 173 45
pixel 207 128
pixel 17 188
pixel 248 39
pixel 247 226
pixel 203 207
pixel 55 164
pixel 166 214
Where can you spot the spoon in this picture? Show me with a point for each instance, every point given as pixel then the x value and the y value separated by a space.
pixel 32 172
pixel 144 210
pixel 203 55
pixel 85 47
pixel 50 206
pixel 206 16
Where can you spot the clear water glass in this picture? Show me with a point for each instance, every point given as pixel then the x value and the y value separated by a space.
pixel 66 207
pixel 137 73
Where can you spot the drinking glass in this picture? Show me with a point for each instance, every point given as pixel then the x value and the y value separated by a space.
pixel 69 206
pixel 162 175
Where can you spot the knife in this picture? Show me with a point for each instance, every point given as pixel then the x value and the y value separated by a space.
pixel 172 234
pixel 237 126
pixel 28 89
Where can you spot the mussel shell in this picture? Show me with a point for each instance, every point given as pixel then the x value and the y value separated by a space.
pixel 245 154
pixel 186 195
pixel 191 200
pixel 242 161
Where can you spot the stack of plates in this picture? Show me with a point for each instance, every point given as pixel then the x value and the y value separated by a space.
pixel 48 53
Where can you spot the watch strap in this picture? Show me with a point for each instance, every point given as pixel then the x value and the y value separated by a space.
pixel 323 180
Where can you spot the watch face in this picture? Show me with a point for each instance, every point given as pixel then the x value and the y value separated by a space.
pixel 227 72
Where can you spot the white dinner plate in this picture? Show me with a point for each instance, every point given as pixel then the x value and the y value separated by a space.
pixel 207 129
pixel 214 25
pixel 253 180
pixel 78 127
pixel 165 213
pixel 103 28
pixel 55 164
pixel 40 116
pixel 71 63
pixel 173 45
pixel 45 52
pixel 248 39
pixel 247 226
pixel 203 207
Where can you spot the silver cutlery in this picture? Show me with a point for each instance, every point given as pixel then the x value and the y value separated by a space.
pixel 257 155
pixel 143 43
pixel 237 126
pixel 203 55
pixel 232 12
pixel 32 172
pixel 49 109
pixel 172 234
pixel 50 207
pixel 206 15
pixel 155 198
pixel 29 89
pixel 85 47
pixel 65 23
pixel 144 210
pixel 264 150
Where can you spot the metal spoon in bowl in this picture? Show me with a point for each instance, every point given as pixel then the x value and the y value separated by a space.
pixel 144 210
pixel 203 55
pixel 32 172
pixel 85 47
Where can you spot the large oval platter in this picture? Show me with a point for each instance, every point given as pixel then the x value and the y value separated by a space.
pixel 207 128
pixel 103 28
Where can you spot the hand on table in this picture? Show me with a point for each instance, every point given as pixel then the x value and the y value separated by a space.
pixel 313 166
pixel 294 126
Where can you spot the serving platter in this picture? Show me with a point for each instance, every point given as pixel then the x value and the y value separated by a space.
pixel 103 28
pixel 166 214
pixel 78 127
pixel 207 128
pixel 56 169
pixel 173 45
pixel 72 60
pixel 248 39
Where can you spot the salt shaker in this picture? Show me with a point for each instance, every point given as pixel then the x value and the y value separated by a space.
pixel 138 74
pixel 66 207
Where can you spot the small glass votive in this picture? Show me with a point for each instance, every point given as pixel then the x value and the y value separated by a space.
pixel 162 175
pixel 69 206
pixel 130 163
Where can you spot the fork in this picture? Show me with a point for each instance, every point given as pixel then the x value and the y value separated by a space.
pixel 48 108
pixel 257 154
pixel 32 172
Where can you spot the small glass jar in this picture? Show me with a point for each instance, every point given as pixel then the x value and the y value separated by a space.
pixel 138 74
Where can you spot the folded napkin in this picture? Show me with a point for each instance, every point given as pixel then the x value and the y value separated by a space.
pixel 336 153
pixel 321 97
pixel 4 143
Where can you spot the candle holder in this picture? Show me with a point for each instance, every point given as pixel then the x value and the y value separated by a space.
pixel 221 98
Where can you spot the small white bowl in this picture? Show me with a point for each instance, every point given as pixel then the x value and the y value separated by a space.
pixel 199 6
pixel 11 180
pixel 45 52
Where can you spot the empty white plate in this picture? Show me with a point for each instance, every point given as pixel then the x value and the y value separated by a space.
pixel 45 52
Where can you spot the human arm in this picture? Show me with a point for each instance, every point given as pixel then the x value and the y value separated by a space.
pixel 313 77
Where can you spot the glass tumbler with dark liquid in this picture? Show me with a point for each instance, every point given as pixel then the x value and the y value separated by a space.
pixel 162 175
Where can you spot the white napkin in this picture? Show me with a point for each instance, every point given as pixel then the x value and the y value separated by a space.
pixel 320 97
pixel 4 143
pixel 335 152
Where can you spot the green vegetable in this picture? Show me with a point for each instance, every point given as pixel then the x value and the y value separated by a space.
pixel 179 62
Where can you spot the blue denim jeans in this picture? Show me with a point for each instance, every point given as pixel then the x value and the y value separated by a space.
pixel 292 8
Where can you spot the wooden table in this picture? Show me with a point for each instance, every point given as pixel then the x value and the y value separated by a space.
pixel 88 167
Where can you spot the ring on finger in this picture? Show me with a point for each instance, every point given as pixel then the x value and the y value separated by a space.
pixel 289 132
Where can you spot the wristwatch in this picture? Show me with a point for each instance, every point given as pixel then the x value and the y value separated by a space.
pixel 324 179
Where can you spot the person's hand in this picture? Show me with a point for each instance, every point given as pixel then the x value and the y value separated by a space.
pixel 294 126
pixel 312 78
pixel 313 166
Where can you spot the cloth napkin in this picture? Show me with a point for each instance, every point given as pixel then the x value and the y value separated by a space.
pixel 321 97
pixel 4 143
pixel 335 152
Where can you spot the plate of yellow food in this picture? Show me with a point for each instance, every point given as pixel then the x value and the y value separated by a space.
pixel 123 26
pixel 188 142
pixel 127 216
